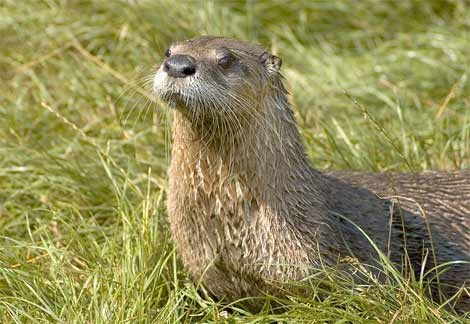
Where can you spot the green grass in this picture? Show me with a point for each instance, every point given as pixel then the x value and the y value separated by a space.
pixel 376 85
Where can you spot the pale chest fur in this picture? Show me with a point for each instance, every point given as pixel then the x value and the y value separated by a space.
pixel 221 223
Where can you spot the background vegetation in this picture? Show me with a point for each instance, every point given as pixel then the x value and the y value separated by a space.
pixel 376 86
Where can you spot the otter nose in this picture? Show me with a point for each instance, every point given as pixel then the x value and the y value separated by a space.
pixel 180 66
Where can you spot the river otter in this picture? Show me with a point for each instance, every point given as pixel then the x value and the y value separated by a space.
pixel 245 207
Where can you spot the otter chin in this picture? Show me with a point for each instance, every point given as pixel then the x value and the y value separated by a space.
pixel 247 211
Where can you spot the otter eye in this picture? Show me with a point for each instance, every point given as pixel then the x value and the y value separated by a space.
pixel 226 60
pixel 167 52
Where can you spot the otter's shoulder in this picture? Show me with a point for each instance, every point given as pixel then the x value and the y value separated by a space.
pixel 443 198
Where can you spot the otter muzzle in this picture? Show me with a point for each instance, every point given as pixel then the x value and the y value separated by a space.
pixel 180 66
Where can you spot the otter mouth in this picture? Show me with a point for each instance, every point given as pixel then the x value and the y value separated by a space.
pixel 170 90
pixel 174 99
pixel 173 96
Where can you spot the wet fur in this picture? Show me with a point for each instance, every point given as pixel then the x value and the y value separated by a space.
pixel 246 208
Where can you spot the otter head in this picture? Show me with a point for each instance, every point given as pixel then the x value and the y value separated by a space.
pixel 211 77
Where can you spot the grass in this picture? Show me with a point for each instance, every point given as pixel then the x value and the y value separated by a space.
pixel 376 86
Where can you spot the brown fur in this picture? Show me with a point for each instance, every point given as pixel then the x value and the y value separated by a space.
pixel 246 208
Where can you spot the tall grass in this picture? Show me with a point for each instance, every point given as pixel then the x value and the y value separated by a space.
pixel 376 86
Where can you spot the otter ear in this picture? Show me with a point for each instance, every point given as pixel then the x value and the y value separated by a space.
pixel 272 62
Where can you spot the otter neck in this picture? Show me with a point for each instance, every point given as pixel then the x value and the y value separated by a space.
pixel 267 162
